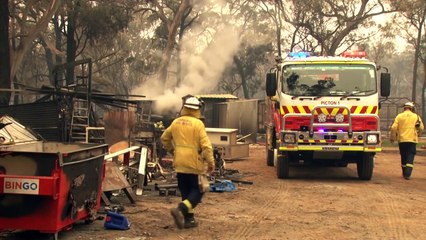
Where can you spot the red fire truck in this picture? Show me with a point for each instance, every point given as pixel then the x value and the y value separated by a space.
pixel 324 110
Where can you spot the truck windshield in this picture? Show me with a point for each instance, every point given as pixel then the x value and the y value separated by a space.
pixel 329 80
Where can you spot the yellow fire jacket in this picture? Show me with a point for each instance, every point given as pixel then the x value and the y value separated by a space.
pixel 403 128
pixel 187 139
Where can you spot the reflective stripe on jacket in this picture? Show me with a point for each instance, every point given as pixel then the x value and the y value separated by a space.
pixel 403 128
pixel 187 138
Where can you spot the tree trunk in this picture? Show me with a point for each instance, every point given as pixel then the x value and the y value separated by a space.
pixel 71 44
pixel 245 87
pixel 4 52
pixel 423 60
pixel 415 67
pixel 241 72
pixel 171 40
pixel 17 55
pixel 279 25
pixel 49 61
pixel 56 59
pixel 416 62
pixel 178 54
pixel 423 91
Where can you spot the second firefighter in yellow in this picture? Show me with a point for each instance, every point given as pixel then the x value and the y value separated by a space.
pixel 406 128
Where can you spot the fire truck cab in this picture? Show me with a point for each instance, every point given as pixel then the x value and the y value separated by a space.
pixel 324 110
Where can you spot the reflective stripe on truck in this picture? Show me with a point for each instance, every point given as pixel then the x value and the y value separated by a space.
pixel 329 148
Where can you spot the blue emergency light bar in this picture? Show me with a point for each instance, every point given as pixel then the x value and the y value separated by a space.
pixel 299 54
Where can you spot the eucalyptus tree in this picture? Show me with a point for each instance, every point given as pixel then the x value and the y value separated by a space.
pixel 198 26
pixel 275 12
pixel 386 53
pixel 63 28
pixel 170 13
pixel 412 27
pixel 91 22
pixel 253 58
pixel 27 20
pixel 246 73
pixel 334 24
pixel 76 26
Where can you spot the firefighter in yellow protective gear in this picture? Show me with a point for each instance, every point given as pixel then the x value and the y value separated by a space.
pixel 405 129
pixel 192 152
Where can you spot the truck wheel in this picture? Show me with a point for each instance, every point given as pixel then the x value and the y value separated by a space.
pixel 283 166
pixel 271 140
pixel 365 166
pixel 270 157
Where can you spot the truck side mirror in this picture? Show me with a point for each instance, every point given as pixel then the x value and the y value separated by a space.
pixel 271 84
pixel 385 81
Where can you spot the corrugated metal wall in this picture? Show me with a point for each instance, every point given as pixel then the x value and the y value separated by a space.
pixel 43 118
pixel 242 115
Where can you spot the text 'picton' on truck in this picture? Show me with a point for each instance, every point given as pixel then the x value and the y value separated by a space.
pixel 324 110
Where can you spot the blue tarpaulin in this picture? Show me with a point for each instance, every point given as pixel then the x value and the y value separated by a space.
pixel 223 186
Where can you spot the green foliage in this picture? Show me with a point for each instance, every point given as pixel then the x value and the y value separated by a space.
pixel 161 34
pixel 334 25
pixel 245 70
pixel 104 20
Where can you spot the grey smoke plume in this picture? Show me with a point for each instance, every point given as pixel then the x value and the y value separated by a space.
pixel 204 69
pixel 203 63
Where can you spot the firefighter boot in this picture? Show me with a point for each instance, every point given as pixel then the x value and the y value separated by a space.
pixel 179 215
pixel 190 221
pixel 406 173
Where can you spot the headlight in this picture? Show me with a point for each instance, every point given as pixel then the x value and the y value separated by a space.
pixel 322 118
pixel 340 117
pixel 289 138
pixel 372 139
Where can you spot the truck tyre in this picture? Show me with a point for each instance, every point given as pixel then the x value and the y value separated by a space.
pixel 271 140
pixel 365 166
pixel 270 157
pixel 283 166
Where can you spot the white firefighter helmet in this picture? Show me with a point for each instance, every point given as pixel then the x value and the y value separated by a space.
pixel 409 105
pixel 192 102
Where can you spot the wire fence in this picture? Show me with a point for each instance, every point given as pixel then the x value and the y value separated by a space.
pixel 389 109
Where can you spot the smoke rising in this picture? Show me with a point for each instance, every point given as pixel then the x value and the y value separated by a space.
pixel 203 62
pixel 202 71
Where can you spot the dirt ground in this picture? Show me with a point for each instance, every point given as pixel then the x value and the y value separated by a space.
pixel 315 203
